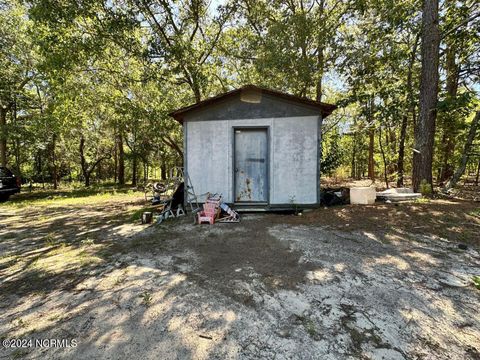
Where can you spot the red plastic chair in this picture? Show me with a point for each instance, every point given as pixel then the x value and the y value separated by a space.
pixel 208 214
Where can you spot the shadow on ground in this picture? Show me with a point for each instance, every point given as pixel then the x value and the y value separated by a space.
pixel 390 284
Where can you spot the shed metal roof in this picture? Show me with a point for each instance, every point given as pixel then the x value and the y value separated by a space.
pixel 324 108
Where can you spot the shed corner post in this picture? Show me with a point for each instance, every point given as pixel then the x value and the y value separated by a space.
pixel 319 156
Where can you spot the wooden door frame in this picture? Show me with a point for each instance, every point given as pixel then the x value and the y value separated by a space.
pixel 234 182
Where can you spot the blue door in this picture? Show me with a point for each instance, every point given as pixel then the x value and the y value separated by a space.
pixel 251 165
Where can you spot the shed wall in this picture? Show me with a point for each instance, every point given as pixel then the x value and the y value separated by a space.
pixel 292 156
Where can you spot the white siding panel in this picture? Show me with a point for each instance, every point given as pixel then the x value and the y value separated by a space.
pixel 295 163
pixel 208 158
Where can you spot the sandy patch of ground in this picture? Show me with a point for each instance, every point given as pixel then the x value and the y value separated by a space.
pixel 273 286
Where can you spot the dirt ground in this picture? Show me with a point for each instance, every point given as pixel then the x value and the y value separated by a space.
pixel 373 282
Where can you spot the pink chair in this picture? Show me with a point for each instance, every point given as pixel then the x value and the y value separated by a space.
pixel 208 214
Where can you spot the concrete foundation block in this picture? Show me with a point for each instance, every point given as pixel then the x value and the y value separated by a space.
pixel 363 195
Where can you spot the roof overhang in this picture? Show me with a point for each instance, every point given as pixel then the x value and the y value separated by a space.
pixel 324 108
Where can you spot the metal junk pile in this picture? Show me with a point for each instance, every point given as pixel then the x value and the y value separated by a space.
pixel 168 198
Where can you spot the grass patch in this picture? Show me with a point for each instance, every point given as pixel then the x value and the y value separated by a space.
pixel 120 279
pixel 310 327
pixel 9 236
pixel 56 317
pixel 50 239
pixel 87 242
pixel 146 298
pixel 8 260
pixel 475 213
pixel 136 215
pixel 422 200
pixel 64 258
pixel 19 354
pixel 19 323
pixel 84 196
pixel 476 281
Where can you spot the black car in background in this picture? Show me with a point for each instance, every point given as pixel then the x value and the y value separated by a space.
pixel 9 184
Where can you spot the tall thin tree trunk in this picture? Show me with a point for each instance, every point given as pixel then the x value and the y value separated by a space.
pixel 115 156
pixel 466 152
pixel 54 162
pixel 401 152
pixel 3 136
pixel 425 127
pixel 83 163
pixel 382 151
pixel 163 170
pixel 371 149
pixel 121 159
pixel 371 145
pixel 17 143
pixel 320 66
pixel 145 171
pixel 353 173
pixel 134 169
pixel 478 173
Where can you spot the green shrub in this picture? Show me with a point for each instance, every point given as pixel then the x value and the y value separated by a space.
pixel 425 188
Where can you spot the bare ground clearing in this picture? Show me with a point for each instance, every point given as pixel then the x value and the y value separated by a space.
pixel 380 281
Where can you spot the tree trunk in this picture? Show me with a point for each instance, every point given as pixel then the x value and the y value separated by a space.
pixel 86 168
pixel 382 151
pixel 134 169
pixel 87 179
pixel 425 127
pixel 354 162
pixel 478 173
pixel 54 163
pixel 3 136
pixel 83 163
pixel 401 151
pixel 115 156
pixel 121 159
pixel 145 171
pixel 371 148
pixel 17 143
pixel 319 86
pixel 42 176
pixel 196 91
pixel 163 170
pixel 466 151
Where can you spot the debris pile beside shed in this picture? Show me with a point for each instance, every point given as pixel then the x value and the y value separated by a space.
pixel 398 194
pixel 364 195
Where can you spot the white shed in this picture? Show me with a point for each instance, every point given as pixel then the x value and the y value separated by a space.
pixel 257 147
